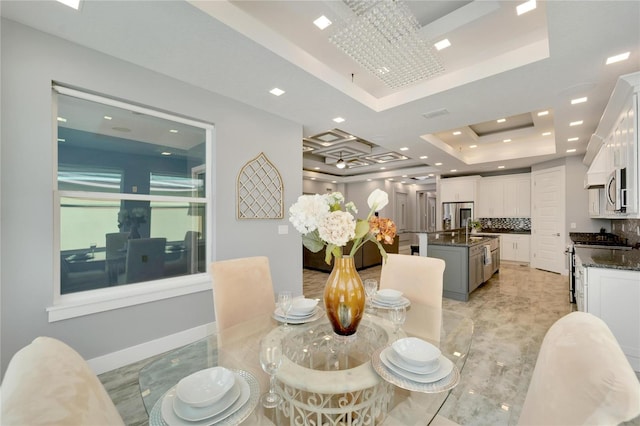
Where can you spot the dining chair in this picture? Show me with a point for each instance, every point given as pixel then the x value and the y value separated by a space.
pixel 144 261
pixel 187 263
pixel 419 278
pixel 115 253
pixel 581 377
pixel 242 289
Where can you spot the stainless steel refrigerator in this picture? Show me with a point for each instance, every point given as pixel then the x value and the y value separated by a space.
pixel 456 215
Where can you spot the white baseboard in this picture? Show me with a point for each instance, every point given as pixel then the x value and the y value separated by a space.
pixel 139 352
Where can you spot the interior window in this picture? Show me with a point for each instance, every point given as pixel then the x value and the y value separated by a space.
pixel 131 193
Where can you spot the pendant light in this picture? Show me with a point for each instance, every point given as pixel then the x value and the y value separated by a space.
pixel 341 164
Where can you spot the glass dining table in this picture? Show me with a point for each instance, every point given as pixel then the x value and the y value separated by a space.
pixel 324 378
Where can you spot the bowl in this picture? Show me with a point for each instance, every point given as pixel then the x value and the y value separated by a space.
pixel 303 306
pixel 388 295
pixel 415 351
pixel 205 387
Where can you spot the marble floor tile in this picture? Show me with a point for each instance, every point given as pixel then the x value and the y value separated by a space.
pixel 511 314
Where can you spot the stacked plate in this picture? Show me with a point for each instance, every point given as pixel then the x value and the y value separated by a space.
pixel 206 397
pixel 417 360
pixel 302 310
pixel 389 298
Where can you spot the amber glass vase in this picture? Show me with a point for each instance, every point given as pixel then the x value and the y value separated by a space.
pixel 344 297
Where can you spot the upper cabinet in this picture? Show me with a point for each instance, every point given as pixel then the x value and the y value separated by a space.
pixel 616 140
pixel 461 189
pixel 504 196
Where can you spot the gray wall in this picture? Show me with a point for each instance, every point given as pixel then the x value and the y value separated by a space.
pixel 30 61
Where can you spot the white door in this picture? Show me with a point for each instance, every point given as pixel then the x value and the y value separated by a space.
pixel 431 215
pixel 401 211
pixel 548 220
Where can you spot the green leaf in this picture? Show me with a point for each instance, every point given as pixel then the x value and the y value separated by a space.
pixel 362 228
pixel 312 241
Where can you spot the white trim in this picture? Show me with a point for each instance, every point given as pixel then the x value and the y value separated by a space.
pixel 145 350
pixel 125 196
pixel 90 302
pixel 130 107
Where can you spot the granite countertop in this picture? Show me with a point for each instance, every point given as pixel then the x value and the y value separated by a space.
pixel 445 239
pixel 609 258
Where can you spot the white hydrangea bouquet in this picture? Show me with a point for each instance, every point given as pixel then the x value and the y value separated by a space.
pixel 323 223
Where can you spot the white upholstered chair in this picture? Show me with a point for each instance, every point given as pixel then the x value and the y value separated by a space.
pixel 49 383
pixel 419 278
pixel 581 377
pixel 242 289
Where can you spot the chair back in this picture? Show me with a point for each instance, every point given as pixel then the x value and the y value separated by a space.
pixel 115 244
pixel 419 278
pixel 242 289
pixel 145 259
pixel 581 377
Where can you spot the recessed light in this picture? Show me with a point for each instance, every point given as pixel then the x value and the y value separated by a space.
pixel 453 170
pixel 442 44
pixel 334 181
pixel 543 113
pixel 61 140
pixel 575 123
pixel 501 167
pixel 457 132
pixel 106 117
pixel 390 179
pixel 617 58
pixel 579 100
pixel 431 175
pixel 383 168
pixel 74 4
pixel 313 178
pixel 276 91
pixel 338 120
pixel 505 407
pixel 404 148
pixel 368 180
pixel 506 140
pixel 317 168
pixel 525 7
pixel 62 119
pixel 546 134
pixel 404 176
pixel 473 146
pixel 572 139
pixel 402 181
pixel 322 22
pixel 438 164
pixel 423 157
pixel 501 120
pixel 173 131
pixel 166 153
pixel 571 150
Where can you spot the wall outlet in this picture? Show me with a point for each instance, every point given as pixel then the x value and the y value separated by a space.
pixel 573 225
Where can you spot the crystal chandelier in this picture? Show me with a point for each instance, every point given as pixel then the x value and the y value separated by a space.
pixel 383 38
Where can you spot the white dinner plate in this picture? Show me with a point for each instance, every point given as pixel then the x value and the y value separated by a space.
pixel 403 301
pixel 280 313
pixel 446 383
pixel 393 357
pixel 172 419
pixel 318 313
pixel 444 368
pixel 194 414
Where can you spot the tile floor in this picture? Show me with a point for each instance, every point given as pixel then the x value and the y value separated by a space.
pixel 511 313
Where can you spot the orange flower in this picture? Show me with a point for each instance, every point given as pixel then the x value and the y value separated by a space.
pixel 383 229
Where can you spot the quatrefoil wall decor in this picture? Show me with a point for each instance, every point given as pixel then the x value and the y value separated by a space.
pixel 260 190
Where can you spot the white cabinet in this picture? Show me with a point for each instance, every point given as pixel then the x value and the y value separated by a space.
pixel 596 203
pixel 458 189
pixel 490 198
pixel 613 295
pixel 504 196
pixel 515 247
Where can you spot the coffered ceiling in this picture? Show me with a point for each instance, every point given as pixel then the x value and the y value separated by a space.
pixel 500 65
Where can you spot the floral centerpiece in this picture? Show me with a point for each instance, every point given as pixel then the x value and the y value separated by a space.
pixel 131 220
pixel 326 221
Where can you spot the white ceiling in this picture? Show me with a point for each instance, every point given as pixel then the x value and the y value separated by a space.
pixel 499 65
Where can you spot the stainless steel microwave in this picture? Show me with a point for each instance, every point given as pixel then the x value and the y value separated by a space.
pixel 616 190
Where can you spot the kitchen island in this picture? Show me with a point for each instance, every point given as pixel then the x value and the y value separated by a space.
pixel 470 260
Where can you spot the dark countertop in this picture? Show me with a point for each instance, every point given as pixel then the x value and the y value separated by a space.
pixel 609 258
pixel 505 231
pixel 445 239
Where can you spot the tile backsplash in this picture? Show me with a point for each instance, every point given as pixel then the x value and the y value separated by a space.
pixel 506 224
pixel 626 228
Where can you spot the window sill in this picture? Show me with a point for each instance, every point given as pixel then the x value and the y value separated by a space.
pixel 107 299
